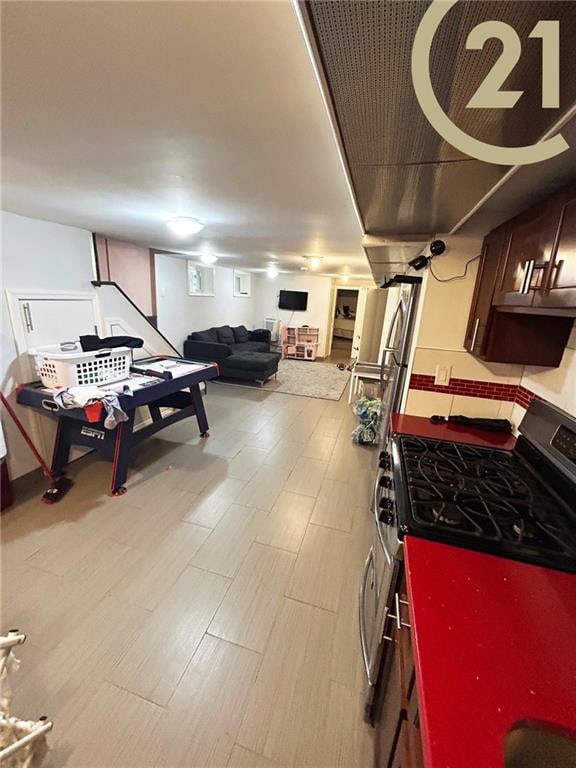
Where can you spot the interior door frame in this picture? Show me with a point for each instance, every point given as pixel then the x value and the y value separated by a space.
pixel 335 289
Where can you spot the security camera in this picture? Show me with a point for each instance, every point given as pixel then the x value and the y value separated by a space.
pixel 435 248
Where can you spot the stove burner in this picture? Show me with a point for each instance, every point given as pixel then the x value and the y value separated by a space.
pixel 447 516
pixel 466 493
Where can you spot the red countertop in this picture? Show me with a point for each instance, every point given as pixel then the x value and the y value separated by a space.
pixel 494 639
pixel 418 425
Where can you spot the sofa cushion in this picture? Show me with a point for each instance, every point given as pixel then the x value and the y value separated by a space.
pixel 206 351
pixel 250 346
pixel 252 361
pixel 240 334
pixel 225 335
pixel 207 335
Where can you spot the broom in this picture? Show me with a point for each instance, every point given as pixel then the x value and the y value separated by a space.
pixel 59 484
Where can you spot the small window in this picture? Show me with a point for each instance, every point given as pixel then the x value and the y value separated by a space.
pixel 200 280
pixel 242 283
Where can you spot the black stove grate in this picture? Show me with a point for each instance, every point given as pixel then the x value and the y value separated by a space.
pixel 484 498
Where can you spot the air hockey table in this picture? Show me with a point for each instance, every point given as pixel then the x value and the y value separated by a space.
pixel 76 426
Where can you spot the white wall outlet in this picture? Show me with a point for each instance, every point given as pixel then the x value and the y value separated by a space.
pixel 443 374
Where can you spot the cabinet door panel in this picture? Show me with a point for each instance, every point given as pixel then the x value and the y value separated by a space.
pixel 401 753
pixel 390 712
pixel 405 652
pixel 408 752
pixel 486 282
pixel 528 258
pixel 561 277
pixel 564 275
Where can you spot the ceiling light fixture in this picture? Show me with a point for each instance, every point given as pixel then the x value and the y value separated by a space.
pixel 184 225
pixel 314 262
pixel 208 258
pixel 344 278
pixel 272 272
pixel 304 268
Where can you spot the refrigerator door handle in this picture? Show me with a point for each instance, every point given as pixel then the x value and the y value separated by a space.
pixel 388 348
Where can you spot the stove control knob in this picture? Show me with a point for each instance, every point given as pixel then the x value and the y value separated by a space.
pixel 386 514
pixel 384 460
pixel 385 482
pixel 387 518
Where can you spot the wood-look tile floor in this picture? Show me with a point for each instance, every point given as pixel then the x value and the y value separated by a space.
pixel 208 618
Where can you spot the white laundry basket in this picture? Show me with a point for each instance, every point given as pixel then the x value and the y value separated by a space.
pixel 66 365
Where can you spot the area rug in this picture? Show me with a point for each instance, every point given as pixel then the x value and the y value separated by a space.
pixel 304 378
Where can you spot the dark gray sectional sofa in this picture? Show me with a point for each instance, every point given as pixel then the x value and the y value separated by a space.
pixel 240 353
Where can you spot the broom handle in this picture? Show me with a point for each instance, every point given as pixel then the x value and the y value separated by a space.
pixel 29 443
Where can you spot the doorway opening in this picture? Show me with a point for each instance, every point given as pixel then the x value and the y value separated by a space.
pixel 345 312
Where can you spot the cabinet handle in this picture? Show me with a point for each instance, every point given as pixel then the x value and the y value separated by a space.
pixel 27 317
pixel 528 272
pixel 553 274
pixel 473 344
pixel 398 618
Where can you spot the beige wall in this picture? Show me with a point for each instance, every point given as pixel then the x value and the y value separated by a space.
pixel 440 339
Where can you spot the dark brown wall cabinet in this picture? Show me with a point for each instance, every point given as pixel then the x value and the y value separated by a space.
pixel 525 297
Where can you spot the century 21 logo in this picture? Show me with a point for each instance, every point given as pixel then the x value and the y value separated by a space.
pixel 489 94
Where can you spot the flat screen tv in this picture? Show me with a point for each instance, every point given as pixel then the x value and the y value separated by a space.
pixel 297 301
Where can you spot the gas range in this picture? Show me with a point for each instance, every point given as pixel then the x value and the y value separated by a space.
pixel 519 504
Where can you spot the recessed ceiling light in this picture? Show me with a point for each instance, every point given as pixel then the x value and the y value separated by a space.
pixel 272 272
pixel 208 258
pixel 344 278
pixel 314 262
pixel 184 225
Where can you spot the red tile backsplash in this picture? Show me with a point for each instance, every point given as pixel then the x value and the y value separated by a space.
pixel 488 390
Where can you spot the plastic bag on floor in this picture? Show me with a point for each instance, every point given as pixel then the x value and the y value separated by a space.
pixel 368 412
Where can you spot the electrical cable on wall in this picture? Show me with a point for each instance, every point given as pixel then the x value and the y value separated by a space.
pixel 437 247
pixel 454 277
